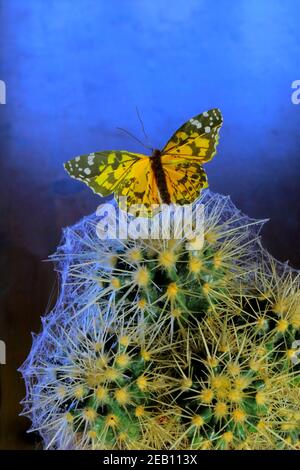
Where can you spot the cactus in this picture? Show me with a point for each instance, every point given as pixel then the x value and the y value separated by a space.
pixel 152 345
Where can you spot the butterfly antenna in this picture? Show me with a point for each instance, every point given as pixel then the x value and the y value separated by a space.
pixel 134 137
pixel 141 123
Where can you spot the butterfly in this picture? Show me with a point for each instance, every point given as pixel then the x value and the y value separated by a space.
pixel 173 175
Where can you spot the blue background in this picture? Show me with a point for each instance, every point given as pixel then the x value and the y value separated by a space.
pixel 76 69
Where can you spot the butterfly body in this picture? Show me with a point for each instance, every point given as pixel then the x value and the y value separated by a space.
pixel 172 175
pixel 159 175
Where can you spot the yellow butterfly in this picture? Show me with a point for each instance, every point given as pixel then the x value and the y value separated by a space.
pixel 171 175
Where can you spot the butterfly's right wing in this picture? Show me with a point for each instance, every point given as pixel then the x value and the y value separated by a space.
pixel 120 172
pixel 185 178
pixel 192 145
pixel 197 138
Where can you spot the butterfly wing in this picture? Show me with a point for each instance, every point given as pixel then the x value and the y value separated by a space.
pixel 120 172
pixel 197 138
pixel 184 179
pixel 193 144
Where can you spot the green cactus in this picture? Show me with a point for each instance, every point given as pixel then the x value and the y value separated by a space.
pixel 153 345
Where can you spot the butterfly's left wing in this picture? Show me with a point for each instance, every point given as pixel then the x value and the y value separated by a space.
pixel 191 145
pixel 123 173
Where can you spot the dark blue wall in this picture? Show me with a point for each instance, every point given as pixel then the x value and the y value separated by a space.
pixel 76 69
